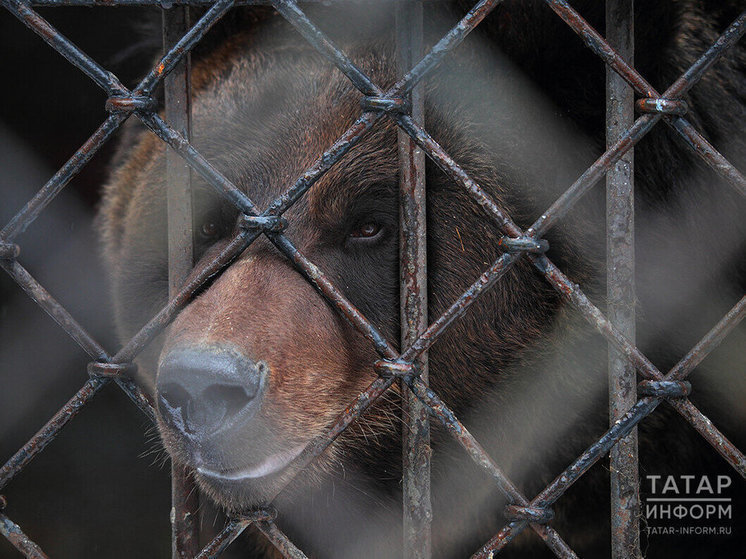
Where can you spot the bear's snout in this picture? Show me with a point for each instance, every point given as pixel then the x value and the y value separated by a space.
pixel 204 390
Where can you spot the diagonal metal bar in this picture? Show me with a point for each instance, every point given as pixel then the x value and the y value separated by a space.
pixel 20 541
pixel 182 47
pixel 623 426
pixel 707 152
pixel 482 459
pixel 61 178
pixel 456 173
pixel 643 124
pixel 351 413
pixel 51 429
pixel 156 324
pixel 298 19
pixel 240 242
pixel 56 311
pixel 332 294
pixel 573 472
pixel 103 78
pixel 710 341
pixel 339 148
pixel 592 175
pixel 444 46
pixel 692 137
pixel 197 162
pixel 226 536
pixel 289 9
pixel 460 306
pixel 702 424
pixel 568 289
pixel 279 540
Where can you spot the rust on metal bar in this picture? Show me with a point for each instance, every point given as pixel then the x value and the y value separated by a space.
pixel 20 541
pixel 177 86
pixel 46 434
pixel 281 542
pixel 620 286
pixel 662 106
pixel 62 177
pixel 457 430
pixel 665 388
pixel 416 451
pixel 226 537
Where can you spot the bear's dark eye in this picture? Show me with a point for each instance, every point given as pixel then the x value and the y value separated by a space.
pixel 209 230
pixel 368 231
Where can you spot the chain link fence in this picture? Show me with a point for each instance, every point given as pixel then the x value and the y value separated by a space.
pixel 402 103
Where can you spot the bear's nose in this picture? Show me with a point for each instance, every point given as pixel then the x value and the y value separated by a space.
pixel 205 389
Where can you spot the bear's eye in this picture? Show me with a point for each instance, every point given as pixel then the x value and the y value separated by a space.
pixel 367 230
pixel 209 230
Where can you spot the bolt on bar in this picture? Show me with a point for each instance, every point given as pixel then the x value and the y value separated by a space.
pixel 177 84
pixel 620 282
pixel 413 297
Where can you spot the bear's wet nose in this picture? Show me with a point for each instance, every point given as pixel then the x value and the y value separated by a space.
pixel 205 389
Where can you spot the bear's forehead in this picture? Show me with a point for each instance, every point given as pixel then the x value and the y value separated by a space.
pixel 264 126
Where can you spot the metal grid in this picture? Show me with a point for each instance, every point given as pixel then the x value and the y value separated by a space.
pixel 403 104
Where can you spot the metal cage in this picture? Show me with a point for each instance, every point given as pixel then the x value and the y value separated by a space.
pixel 402 103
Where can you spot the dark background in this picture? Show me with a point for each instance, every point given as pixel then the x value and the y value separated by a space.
pixel 98 490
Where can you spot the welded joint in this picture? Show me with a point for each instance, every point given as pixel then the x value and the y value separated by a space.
pixel 384 104
pixel 264 514
pixel 537 515
pixel 264 223
pixel 9 251
pixel 98 369
pixel 523 244
pixel 395 368
pixel 658 105
pixel 665 388
pixel 131 103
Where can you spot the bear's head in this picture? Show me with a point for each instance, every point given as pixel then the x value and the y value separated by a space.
pixel 259 364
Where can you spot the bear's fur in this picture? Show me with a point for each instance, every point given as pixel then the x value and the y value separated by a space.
pixel 520 107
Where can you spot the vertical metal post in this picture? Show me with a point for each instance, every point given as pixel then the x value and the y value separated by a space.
pixel 184 497
pixel 413 289
pixel 625 497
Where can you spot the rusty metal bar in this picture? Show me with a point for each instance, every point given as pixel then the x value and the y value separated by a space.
pixel 444 46
pixel 20 541
pixel 620 285
pixel 457 430
pixel 177 88
pixel 416 450
pixel 457 173
pixel 51 306
pixel 281 542
pixel 710 341
pixel 461 305
pixel 226 537
pixel 46 434
pixel 624 425
pixel 698 420
pixel 691 136
pixel 181 45
pixel 61 178
pixel 297 18
pixel 103 78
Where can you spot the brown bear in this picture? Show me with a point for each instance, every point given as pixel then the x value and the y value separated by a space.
pixel 259 363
